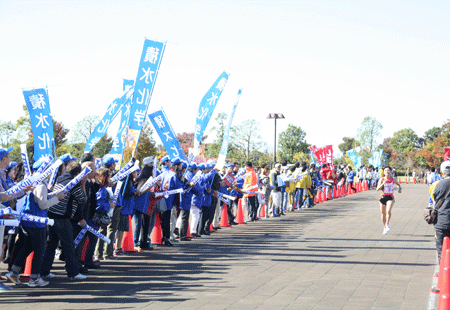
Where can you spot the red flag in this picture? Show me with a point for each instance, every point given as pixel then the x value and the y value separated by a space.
pixel 447 153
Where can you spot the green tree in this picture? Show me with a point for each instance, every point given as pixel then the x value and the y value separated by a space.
pixel 369 131
pixel 347 145
pixel 213 148
pixel 246 137
pixel 7 132
pixel 404 141
pixel 432 134
pixel 292 141
pixel 83 129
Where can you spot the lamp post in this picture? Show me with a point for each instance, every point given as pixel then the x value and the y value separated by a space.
pixel 275 116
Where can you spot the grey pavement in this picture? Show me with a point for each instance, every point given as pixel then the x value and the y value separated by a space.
pixel 333 256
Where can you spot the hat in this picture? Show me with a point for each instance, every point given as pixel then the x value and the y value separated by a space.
pixel 37 164
pixel 230 166
pixel 192 166
pixel 147 160
pixel 108 160
pixel 208 166
pixel 445 167
pixel 4 151
pixel 211 162
pixel 176 161
pixel 66 158
pixel 277 165
pixel 183 164
pixel 164 159
pixel 201 166
pixel 11 165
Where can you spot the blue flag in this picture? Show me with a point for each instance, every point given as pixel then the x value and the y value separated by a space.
pixel 224 149
pixel 167 135
pixel 151 57
pixel 111 113
pixel 352 156
pixel 41 121
pixel 118 143
pixel 206 109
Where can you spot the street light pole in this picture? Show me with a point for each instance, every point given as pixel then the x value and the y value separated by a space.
pixel 275 116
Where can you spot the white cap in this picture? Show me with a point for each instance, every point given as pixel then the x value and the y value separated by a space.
pixel 147 160
pixel 445 167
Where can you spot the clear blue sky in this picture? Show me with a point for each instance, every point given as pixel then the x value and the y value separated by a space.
pixel 324 64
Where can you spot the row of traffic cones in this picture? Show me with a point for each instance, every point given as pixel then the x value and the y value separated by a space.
pixel 443 285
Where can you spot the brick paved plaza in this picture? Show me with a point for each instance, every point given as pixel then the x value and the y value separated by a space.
pixel 333 256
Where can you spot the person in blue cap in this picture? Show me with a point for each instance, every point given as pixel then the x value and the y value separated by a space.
pixel 197 201
pixel 33 234
pixel 186 201
pixel 174 182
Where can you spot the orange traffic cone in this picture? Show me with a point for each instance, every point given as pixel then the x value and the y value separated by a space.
pixel 262 213
pixel 224 219
pixel 443 263
pixel 128 238
pixel 421 180
pixel 28 264
pixel 156 236
pixel 188 234
pixel 414 180
pixel 240 214
pixel 443 303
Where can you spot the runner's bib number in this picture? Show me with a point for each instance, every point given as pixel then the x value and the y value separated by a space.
pixel 388 188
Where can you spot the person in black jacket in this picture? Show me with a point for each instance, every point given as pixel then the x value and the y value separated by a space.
pixel 70 207
pixel 441 197
pixel 92 187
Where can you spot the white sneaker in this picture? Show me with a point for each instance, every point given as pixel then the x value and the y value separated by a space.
pixel 79 277
pixel 50 276
pixel 38 282
pixel 384 231
pixel 387 228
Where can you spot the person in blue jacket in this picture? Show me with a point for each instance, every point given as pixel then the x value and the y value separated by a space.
pixel 34 234
pixel 185 202
pixel 197 201
pixel 350 177
pixel 206 205
pixel 126 211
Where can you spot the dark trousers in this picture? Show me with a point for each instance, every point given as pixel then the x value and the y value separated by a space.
pixel 212 211
pixel 90 248
pixel 204 217
pixel 61 231
pixel 440 235
pixel 184 222
pixel 165 224
pixel 17 248
pixel 34 240
pixel 10 246
pixel 252 207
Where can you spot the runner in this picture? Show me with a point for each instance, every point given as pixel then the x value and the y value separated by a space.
pixel 386 185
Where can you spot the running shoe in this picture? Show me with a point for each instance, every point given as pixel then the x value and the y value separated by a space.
pixel 387 228
pixel 49 276
pixel 37 282
pixel 78 277
pixel 13 277
pixel 384 231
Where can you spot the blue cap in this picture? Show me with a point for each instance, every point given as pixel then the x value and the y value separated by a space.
pixel 176 161
pixel 230 166
pixel 183 164
pixel 37 164
pixel 192 166
pixel 108 160
pixel 165 158
pixel 138 171
pixel 208 166
pixel 66 158
pixel 4 151
pixel 11 165
pixel 201 166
